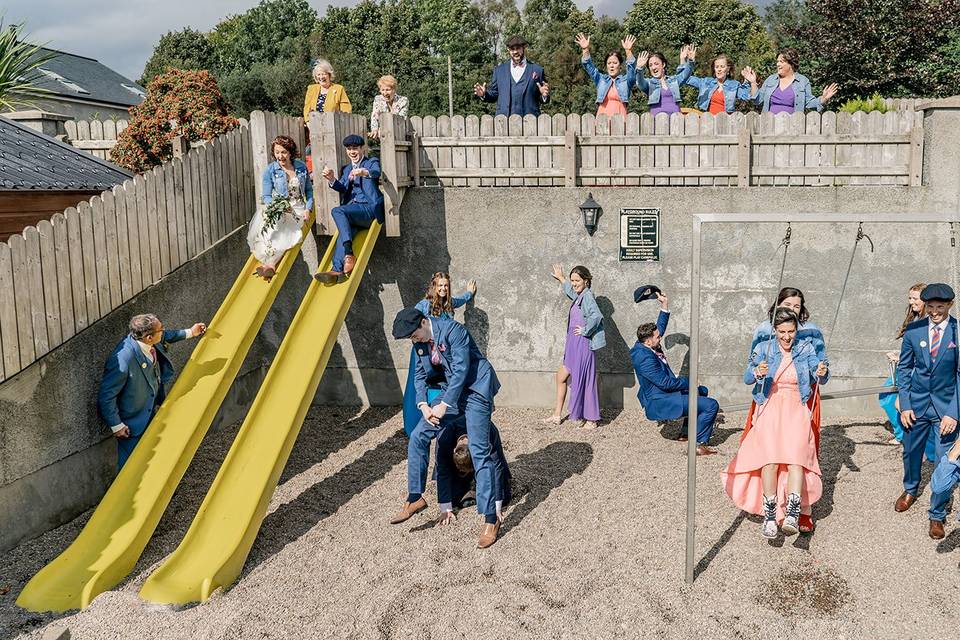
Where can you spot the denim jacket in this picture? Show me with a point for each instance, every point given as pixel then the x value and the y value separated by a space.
pixel 732 91
pixel 805 361
pixel 456 302
pixel 652 87
pixel 275 182
pixel 803 97
pixel 624 81
pixel 593 319
pixel 808 332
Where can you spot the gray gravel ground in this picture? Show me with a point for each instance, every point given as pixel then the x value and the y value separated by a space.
pixel 592 547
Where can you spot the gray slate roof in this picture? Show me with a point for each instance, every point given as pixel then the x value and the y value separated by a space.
pixel 102 83
pixel 30 160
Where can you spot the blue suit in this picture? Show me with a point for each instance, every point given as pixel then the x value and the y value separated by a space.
pixel 928 387
pixel 360 204
pixel 451 486
pixel 133 388
pixel 469 389
pixel 516 98
pixel 664 395
pixel 411 415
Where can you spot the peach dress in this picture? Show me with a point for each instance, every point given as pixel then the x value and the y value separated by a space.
pixel 611 105
pixel 781 434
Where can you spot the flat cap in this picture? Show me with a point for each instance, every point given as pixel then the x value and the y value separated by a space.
pixel 353 140
pixel 407 321
pixel 937 291
pixel 516 41
pixel 646 292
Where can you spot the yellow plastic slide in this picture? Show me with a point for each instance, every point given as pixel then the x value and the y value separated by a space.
pixel 216 546
pixel 119 529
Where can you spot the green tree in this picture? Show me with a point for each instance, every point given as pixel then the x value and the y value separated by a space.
pixel 896 48
pixel 263 34
pixel 20 63
pixel 784 19
pixel 185 49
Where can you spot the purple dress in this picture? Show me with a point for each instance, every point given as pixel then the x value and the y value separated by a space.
pixel 581 362
pixel 667 104
pixel 782 101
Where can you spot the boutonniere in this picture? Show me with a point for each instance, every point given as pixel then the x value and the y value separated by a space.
pixel 923 343
pixel 534 76
pixel 419 352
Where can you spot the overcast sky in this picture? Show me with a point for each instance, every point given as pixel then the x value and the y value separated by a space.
pixel 122 33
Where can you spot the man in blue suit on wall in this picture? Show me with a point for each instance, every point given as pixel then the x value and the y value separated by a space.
pixel 518 86
pixel 664 395
pixel 135 378
pixel 361 202
pixel 927 385
pixel 471 384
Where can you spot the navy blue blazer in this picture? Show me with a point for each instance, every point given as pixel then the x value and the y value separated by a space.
pixel 921 382
pixel 500 90
pixel 363 190
pixel 662 394
pixel 129 389
pixel 465 368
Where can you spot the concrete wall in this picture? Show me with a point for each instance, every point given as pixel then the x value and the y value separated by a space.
pixel 56 458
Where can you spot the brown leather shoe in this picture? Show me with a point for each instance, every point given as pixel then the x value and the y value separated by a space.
pixel 488 534
pixel 936 529
pixel 409 510
pixel 330 277
pixel 349 262
pixel 704 450
pixel 904 502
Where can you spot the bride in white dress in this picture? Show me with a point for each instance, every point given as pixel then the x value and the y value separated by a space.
pixel 287 200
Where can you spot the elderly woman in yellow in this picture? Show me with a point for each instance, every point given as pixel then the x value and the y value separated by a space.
pixel 324 95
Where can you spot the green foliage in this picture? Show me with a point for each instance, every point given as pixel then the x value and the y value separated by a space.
pixel 896 48
pixel 784 18
pixel 20 62
pixel 873 103
pixel 185 49
pixel 186 103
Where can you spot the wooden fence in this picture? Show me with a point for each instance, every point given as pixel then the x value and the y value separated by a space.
pixel 67 272
pixel 680 150
pixel 96 137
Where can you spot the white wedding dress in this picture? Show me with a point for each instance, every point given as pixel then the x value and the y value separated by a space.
pixel 269 245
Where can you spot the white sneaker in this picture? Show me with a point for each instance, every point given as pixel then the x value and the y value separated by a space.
pixel 791 519
pixel 790 526
pixel 769 529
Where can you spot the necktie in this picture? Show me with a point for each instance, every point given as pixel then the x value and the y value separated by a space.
pixel 662 357
pixel 153 354
pixel 434 354
pixel 935 343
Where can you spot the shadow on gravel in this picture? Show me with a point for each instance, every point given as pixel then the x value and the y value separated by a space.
pixel 536 474
pixel 950 543
pixel 836 452
pixel 725 537
pixel 295 518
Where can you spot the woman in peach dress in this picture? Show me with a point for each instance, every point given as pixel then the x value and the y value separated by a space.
pixel 776 472
pixel 613 87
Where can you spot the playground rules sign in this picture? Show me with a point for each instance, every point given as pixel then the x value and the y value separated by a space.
pixel 640 235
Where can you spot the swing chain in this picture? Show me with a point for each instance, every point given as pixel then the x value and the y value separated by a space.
pixel 861 235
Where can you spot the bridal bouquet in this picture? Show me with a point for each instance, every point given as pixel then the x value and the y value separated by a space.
pixel 274 211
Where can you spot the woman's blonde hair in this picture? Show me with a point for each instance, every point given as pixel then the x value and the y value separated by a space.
pixel 913 316
pixel 387 80
pixel 320 66
pixel 438 304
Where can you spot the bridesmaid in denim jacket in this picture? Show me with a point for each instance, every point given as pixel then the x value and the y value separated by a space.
pixel 613 87
pixel 787 91
pixel 663 91
pixel 585 336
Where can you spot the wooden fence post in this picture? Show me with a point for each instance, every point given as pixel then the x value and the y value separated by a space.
pixel 570 159
pixel 744 156
pixel 261 155
pixel 915 178
pixel 389 180
pixel 415 157
pixel 323 149
pixel 180 146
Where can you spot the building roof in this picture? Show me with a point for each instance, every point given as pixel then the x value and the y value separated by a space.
pixel 85 79
pixel 31 161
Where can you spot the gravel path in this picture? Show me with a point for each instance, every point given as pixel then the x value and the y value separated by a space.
pixel 592 547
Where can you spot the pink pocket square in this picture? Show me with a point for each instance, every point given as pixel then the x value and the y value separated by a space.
pixel 952 345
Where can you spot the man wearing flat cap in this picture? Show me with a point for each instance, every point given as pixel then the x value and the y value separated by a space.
pixel 471 384
pixel 360 204
pixel 927 382
pixel 518 86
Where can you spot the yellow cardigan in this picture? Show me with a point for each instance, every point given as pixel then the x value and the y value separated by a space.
pixel 337 100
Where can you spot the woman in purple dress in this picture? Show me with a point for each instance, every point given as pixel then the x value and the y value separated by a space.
pixel 787 91
pixel 584 336
pixel 663 91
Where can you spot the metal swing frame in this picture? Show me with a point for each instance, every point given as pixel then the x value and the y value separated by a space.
pixel 701 219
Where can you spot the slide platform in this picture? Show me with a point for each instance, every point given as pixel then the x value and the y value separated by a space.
pixel 110 544
pixel 214 549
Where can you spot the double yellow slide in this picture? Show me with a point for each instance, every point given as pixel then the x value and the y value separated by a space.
pixel 113 539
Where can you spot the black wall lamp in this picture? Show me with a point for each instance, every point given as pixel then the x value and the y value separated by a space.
pixel 591 214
